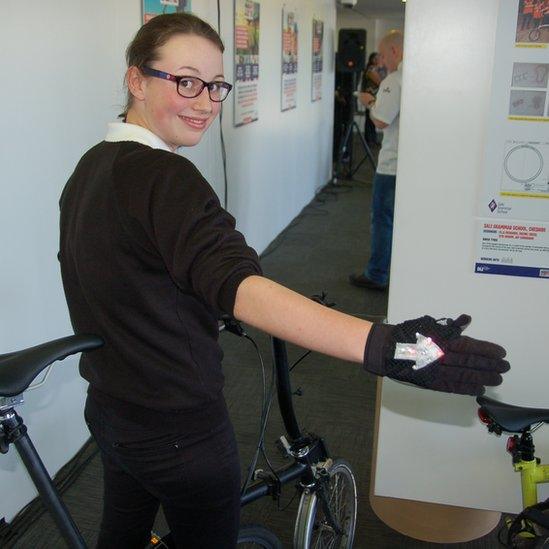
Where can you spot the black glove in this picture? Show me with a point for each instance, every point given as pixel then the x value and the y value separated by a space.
pixel 467 365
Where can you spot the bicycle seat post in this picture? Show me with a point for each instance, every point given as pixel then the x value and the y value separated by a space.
pixel 14 432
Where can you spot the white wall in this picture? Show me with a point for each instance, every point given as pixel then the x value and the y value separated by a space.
pixel 350 19
pixel 432 446
pixel 63 63
pixel 383 26
pixel 376 27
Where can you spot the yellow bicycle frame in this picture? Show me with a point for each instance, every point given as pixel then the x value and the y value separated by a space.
pixel 532 473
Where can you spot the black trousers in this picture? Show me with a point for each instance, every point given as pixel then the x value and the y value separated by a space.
pixel 192 470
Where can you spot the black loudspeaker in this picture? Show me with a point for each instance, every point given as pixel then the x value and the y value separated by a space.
pixel 351 50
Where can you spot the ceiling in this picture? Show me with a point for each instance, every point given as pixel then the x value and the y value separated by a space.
pixel 379 8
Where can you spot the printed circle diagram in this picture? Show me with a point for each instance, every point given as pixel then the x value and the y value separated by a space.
pixel 523 163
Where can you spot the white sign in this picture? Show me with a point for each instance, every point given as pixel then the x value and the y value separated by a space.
pixel 513 208
pixel 513 249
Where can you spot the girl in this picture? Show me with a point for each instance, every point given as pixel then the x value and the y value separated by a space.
pixel 149 260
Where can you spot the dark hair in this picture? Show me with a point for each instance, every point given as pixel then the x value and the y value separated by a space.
pixel 371 58
pixel 143 49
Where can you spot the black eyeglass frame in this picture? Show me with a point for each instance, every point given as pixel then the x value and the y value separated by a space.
pixel 149 71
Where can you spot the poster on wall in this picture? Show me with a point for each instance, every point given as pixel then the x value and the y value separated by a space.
pixel 316 83
pixel 512 232
pixel 289 60
pixel 152 8
pixel 532 28
pixel 246 61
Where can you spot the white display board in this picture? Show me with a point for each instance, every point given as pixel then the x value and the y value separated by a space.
pixel 513 206
pixel 431 445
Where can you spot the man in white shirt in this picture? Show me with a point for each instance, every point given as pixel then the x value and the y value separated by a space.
pixel 385 114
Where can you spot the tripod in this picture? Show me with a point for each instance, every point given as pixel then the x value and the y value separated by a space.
pixel 346 144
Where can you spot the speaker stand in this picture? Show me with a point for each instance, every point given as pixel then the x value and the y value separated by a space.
pixel 347 144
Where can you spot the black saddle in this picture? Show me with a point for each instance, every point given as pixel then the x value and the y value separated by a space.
pixel 513 419
pixel 18 369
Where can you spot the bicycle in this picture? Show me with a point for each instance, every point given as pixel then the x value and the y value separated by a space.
pixel 521 422
pixel 327 509
pixel 535 34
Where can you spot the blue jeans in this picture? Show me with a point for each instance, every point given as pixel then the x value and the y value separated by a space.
pixel 383 206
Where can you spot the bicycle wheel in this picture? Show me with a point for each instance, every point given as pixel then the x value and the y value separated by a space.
pixel 534 35
pixel 255 536
pixel 312 529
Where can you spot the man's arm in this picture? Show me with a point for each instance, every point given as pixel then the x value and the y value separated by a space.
pixel 288 315
pixel 377 123
pixel 369 100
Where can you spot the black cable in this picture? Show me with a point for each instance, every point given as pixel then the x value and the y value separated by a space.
pixel 304 355
pixel 263 377
pixel 264 417
pixel 290 502
pixel 222 138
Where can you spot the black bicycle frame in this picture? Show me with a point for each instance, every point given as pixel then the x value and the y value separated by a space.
pixel 14 431
pixel 284 389
pixel 314 447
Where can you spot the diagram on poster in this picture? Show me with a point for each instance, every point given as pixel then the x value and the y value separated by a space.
pixel 528 96
pixel 530 75
pixel 525 169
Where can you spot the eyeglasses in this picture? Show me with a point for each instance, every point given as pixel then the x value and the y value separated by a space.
pixel 192 86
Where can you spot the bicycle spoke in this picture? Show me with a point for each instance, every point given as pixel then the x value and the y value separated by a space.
pixel 336 499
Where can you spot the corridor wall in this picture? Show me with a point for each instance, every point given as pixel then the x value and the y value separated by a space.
pixel 63 66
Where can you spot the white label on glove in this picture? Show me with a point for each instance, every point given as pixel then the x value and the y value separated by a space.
pixel 423 353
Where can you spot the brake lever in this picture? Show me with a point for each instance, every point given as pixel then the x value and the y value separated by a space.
pixel 232 325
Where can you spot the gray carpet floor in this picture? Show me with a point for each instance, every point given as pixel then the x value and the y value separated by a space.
pixel 316 253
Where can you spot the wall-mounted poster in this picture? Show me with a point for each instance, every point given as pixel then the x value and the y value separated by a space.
pixel 316 83
pixel 512 233
pixel 246 61
pixel 532 29
pixel 289 60
pixel 152 8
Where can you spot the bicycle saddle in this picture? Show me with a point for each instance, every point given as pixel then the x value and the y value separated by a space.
pixel 511 418
pixel 18 369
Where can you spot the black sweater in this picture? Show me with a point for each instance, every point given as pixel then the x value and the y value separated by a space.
pixel 149 259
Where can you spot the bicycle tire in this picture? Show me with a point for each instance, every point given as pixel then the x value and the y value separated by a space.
pixel 311 530
pixel 534 35
pixel 256 536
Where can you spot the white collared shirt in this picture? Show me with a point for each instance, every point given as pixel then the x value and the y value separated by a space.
pixel 122 131
pixel 387 110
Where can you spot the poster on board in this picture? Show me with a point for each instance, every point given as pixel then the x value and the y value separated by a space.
pixel 289 60
pixel 316 82
pixel 532 28
pixel 512 227
pixel 246 61
pixel 152 8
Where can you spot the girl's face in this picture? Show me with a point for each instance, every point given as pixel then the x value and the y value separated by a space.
pixel 179 121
